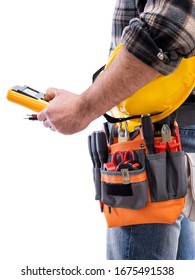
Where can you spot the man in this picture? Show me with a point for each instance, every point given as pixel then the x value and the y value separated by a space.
pixel 156 36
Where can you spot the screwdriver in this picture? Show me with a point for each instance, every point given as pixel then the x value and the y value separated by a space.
pixel 101 146
pixel 148 133
pixel 94 150
pixel 102 151
pixel 97 164
pixel 90 151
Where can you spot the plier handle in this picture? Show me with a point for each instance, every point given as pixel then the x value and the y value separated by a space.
pixel 122 160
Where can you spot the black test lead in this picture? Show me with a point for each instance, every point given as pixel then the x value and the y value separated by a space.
pixel 32 117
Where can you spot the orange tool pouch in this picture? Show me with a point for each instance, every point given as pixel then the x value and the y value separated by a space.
pixel 152 193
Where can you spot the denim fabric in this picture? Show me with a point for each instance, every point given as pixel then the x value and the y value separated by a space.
pixel 156 241
pixel 187 134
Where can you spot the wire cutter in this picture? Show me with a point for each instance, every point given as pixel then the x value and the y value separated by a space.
pixel 162 147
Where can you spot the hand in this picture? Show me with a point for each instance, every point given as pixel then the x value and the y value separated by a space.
pixel 64 113
pixel 69 113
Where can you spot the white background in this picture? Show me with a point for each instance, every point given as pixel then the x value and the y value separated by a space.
pixel 48 215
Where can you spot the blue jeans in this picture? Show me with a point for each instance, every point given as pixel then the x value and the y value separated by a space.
pixel 156 241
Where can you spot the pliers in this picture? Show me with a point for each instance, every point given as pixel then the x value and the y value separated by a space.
pixel 122 160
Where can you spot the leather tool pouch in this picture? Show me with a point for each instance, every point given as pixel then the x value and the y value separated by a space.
pixel 153 193
pixel 189 209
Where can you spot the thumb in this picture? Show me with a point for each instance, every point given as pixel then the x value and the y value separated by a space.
pixel 50 94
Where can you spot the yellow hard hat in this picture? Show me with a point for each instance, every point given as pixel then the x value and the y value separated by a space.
pixel 160 97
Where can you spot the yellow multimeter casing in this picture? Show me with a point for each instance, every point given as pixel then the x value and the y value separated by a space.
pixel 27 97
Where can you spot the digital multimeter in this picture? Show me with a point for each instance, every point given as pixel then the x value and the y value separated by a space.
pixel 27 97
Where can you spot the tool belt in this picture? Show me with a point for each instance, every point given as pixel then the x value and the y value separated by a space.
pixel 139 177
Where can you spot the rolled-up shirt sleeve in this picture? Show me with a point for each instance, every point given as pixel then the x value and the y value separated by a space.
pixel 162 33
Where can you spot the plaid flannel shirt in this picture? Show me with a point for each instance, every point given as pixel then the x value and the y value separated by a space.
pixel 158 32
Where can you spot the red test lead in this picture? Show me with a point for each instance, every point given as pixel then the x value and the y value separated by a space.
pixel 32 117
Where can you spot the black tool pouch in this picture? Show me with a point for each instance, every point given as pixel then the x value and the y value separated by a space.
pixel 166 176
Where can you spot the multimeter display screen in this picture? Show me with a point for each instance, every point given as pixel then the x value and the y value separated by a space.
pixel 30 92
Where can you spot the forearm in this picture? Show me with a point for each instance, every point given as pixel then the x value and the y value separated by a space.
pixel 122 78
pixel 70 113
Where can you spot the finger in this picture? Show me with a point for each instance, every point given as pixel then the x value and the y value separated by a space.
pixel 53 128
pixel 50 94
pixel 47 123
pixel 42 116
